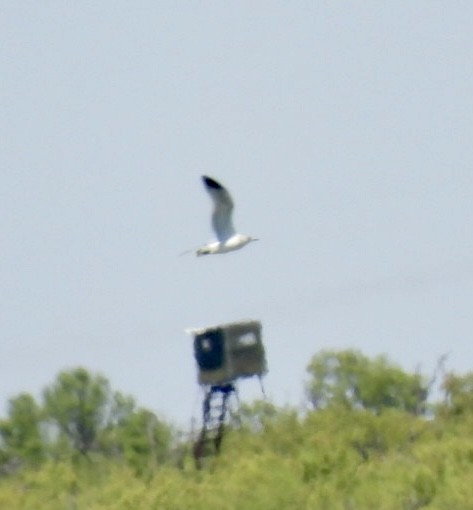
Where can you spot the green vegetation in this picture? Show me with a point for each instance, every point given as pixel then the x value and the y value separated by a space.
pixel 368 440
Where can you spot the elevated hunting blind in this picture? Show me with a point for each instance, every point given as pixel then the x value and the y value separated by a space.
pixel 223 354
pixel 229 351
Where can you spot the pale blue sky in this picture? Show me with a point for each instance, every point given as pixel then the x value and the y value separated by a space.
pixel 343 130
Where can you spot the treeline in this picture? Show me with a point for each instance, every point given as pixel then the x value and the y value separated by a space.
pixel 370 437
pixel 80 415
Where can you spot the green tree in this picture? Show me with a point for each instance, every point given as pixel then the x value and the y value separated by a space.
pixel 136 434
pixel 78 403
pixel 91 417
pixel 144 440
pixel 20 433
pixel 258 414
pixel 458 394
pixel 350 379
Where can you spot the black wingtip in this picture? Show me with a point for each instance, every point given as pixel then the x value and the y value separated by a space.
pixel 211 183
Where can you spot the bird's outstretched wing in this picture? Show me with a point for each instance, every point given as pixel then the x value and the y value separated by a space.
pixel 223 207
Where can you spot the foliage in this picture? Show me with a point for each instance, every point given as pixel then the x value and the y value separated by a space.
pixel 81 414
pixel 140 439
pixel 77 403
pixel 458 394
pixel 350 379
pixel 20 435
pixel 333 458
pixel 339 456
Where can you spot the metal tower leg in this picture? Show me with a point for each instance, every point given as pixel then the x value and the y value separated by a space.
pixel 214 414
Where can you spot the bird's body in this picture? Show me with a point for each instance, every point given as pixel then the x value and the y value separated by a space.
pixel 227 238
pixel 235 242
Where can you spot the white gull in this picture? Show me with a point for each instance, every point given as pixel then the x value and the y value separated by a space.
pixel 227 238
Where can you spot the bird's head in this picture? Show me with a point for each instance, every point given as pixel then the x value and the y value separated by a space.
pixel 248 239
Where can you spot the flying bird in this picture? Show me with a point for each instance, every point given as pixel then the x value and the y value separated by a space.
pixel 227 238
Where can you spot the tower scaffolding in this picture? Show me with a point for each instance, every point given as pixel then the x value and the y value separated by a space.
pixel 224 353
